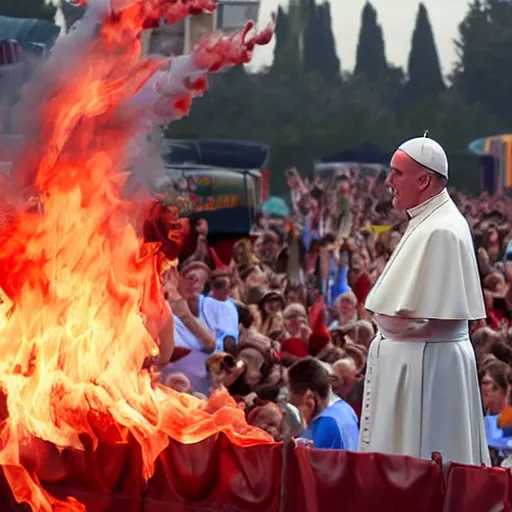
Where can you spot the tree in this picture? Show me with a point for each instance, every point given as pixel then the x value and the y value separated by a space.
pixel 304 116
pixel 37 9
pixel 371 54
pixel 483 73
pixel 329 64
pixel 318 45
pixel 286 50
pixel 311 40
pixel 424 70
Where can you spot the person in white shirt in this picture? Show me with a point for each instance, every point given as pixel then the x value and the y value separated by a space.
pixel 200 325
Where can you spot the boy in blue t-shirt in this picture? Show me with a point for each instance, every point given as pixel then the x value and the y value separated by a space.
pixel 330 425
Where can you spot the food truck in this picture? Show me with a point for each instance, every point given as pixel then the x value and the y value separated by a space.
pixel 224 179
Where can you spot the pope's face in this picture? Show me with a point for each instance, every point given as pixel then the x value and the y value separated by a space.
pixel 406 182
pixel 403 188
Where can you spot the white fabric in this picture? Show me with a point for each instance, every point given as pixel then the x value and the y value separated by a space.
pixel 193 365
pixel 220 317
pixel 421 388
pixel 433 272
pixel 422 393
pixel 428 153
pixel 183 338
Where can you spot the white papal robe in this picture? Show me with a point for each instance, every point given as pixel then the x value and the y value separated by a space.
pixel 421 388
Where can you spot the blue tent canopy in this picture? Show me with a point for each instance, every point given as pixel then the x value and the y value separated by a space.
pixel 28 31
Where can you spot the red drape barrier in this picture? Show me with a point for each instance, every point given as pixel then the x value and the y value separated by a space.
pixel 474 489
pixel 107 479
pixel 324 480
pixel 215 475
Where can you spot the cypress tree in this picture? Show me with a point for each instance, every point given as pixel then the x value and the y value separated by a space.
pixel 425 78
pixel 329 64
pixel 286 51
pixel 311 41
pixel 371 56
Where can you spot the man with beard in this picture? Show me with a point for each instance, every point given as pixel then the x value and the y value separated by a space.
pixel 421 390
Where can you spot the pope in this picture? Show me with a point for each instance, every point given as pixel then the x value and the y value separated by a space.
pixel 421 389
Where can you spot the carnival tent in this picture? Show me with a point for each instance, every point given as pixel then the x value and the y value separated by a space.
pixel 495 154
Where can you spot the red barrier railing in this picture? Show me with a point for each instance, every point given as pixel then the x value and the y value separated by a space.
pixel 215 475
pixel 318 480
pixel 475 489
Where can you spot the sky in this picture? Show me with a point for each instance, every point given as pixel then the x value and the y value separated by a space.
pixel 397 19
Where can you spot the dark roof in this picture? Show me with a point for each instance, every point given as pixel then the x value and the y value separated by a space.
pixel 228 154
pixel 28 31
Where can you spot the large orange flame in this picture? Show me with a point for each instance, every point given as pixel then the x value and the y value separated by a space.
pixel 72 330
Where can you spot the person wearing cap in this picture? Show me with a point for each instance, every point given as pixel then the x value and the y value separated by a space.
pixel 421 390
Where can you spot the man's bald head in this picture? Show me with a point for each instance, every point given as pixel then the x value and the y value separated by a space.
pixel 344 376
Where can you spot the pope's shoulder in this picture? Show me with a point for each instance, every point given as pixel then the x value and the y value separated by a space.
pixel 447 222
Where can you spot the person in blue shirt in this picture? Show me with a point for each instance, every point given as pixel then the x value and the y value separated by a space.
pixel 330 425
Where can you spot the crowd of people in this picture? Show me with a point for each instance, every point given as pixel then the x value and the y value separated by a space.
pixel 283 325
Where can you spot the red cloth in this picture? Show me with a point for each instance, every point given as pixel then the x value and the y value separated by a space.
pixel 477 489
pixel 317 479
pixel 109 478
pixel 216 475
pixel 179 353
pixel 320 334
pixel 295 346
pixel 224 249
pixel 495 317
pixel 362 287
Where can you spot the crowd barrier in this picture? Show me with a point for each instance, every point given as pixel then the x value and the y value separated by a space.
pixel 215 475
